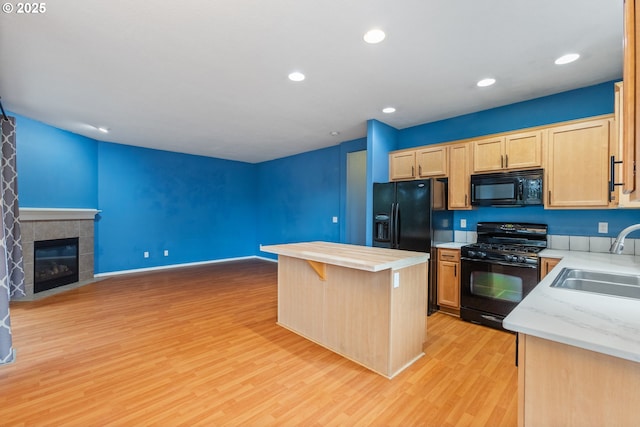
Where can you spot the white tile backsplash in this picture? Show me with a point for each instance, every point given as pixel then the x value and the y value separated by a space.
pixel 599 244
pixel 579 243
pixel 460 236
pixel 558 242
pixel 631 247
pixel 591 244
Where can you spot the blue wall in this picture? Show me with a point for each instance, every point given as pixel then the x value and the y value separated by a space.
pixel 298 197
pixel 202 209
pixel 580 103
pixel 197 208
pixel 381 139
pixel 56 168
pixel 574 104
pixel 565 222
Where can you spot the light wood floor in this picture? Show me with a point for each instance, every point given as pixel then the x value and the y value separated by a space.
pixel 200 346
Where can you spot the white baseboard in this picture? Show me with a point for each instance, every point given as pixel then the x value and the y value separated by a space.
pixel 188 264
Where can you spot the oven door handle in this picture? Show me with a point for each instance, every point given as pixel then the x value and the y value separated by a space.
pixel 508 264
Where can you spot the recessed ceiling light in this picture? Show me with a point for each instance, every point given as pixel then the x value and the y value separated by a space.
pixel 486 82
pixel 565 59
pixel 388 110
pixel 334 133
pixel 374 36
pixel 103 129
pixel 296 76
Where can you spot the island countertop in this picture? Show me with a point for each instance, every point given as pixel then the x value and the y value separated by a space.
pixel 352 256
pixel 601 323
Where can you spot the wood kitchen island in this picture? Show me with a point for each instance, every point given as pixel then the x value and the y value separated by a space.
pixel 367 304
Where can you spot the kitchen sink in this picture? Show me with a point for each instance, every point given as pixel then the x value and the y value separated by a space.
pixel 620 285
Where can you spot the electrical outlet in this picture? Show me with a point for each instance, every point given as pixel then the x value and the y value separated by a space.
pixel 334 219
pixel 603 227
pixel 463 223
pixel 146 254
pixel 166 252
pixel 396 279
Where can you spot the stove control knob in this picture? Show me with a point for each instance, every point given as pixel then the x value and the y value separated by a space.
pixel 471 254
pixel 521 259
pixel 511 258
pixel 482 254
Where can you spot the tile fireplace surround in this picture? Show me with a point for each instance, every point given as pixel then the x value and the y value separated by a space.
pixel 44 224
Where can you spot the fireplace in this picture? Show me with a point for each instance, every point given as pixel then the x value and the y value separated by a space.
pixel 55 263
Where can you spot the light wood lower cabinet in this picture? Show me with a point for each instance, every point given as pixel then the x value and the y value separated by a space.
pixel 449 280
pixel 546 265
pixel 562 385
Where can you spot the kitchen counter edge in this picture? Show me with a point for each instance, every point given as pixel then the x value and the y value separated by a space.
pixel 358 257
pixel 601 323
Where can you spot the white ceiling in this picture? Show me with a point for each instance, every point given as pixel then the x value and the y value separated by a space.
pixel 209 77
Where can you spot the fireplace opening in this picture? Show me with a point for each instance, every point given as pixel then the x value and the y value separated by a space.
pixel 55 263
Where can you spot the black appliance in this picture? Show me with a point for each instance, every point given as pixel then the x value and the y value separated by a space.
pixel 412 215
pixel 519 188
pixel 499 270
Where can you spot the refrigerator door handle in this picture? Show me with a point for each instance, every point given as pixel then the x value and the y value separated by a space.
pixel 391 225
pixel 396 226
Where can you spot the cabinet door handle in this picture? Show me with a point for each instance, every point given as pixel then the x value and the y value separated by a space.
pixel 465 200
pixel 455 270
pixel 413 172
pixel 420 170
pixel 506 160
pixel 501 161
pixel 447 256
pixel 549 203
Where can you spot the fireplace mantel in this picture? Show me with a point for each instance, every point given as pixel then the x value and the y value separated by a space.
pixel 56 214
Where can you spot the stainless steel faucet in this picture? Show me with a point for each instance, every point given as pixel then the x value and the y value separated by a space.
pixel 618 244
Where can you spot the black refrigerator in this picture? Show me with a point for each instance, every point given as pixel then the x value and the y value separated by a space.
pixel 413 216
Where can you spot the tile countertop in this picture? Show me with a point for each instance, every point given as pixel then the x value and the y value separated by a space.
pixel 601 323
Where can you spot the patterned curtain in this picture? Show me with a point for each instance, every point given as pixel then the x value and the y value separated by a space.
pixel 11 261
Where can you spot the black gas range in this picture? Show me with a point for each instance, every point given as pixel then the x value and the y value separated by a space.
pixel 499 270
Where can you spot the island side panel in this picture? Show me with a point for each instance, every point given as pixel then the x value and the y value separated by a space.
pixel 357 316
pixel 300 298
pixel 408 319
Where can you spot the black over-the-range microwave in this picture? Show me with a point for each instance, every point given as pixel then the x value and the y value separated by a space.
pixel 518 188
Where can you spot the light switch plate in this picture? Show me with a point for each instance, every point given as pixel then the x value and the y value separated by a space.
pixel 396 279
pixel 335 219
pixel 603 227
pixel 463 223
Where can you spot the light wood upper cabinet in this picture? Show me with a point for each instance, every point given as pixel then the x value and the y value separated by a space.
pixel 577 167
pixel 432 161
pixel 459 176
pixel 523 150
pixel 630 98
pixel 488 155
pixel 402 165
pixel 620 196
pixel 508 152
pixel 425 162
